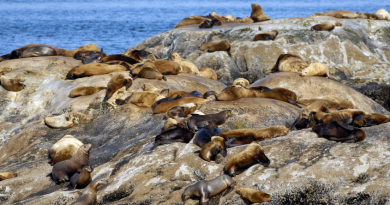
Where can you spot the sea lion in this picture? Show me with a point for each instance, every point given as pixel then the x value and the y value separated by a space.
pixel 247 20
pixel 216 46
pixel 290 94
pixel 197 122
pixel 326 26
pixel 166 67
pixel 163 107
pixel 83 179
pixel 138 55
pixel 120 57
pixel 252 155
pixel 190 21
pixel 272 94
pixel 16 53
pixel 141 99
pixel 64 149
pixel 94 58
pixel 181 110
pixel 172 122
pixel 348 104
pixel 67 120
pixel 150 73
pixel 62 171
pixel 177 133
pixel 11 84
pixel 288 63
pixel 176 58
pixel 253 195
pixel 206 24
pixel 239 20
pixel 93 69
pixel 117 81
pixel 245 136
pixel 169 93
pixel 235 92
pixel 87 47
pixel 271 35
pixel 337 14
pixel 367 16
pixel 346 116
pixel 203 136
pixel 207 73
pixel 89 195
pixel 257 14
pixel 150 88
pixel 210 95
pixel 339 132
pixel 84 55
pixel 38 51
pixel 206 189
pixel 382 14
pixel 316 69
pixel 7 175
pixel 145 64
pixel 241 81
pixel 211 149
pixel 84 91
pixel 371 120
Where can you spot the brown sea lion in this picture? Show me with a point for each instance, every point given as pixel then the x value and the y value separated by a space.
pixel 120 57
pixel 145 64
pixel 163 107
pixel 348 104
pixel 181 110
pixel 216 46
pixel 271 35
pixel 206 189
pixel 172 122
pixel 247 20
pixel 211 149
pixel 87 47
pixel 253 195
pixel 257 14
pixel 337 14
pixel 177 133
pixel 141 99
pixel 38 51
pixel 84 91
pixel 64 149
pixel 7 175
pixel 177 59
pixel 150 88
pixel 206 24
pixel 288 63
pixel 89 195
pixel 16 53
pixel 210 95
pixel 260 92
pixel 316 69
pixel 252 155
pixel 81 180
pixel 326 26
pixel 138 55
pixel 84 55
pixel 382 14
pixel 339 132
pixel 234 92
pixel 150 73
pixel 94 58
pixel 367 16
pixel 93 69
pixel 197 122
pixel 290 94
pixel 67 120
pixel 239 20
pixel 245 136
pixel 207 73
pixel 203 136
pixel 191 20
pixel 371 120
pixel 241 81
pixel 346 116
pixel 11 84
pixel 62 171
pixel 166 67
pixel 117 81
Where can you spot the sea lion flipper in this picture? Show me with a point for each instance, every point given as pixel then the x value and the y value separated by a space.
pixel 295 122
pixel 228 190
pixel 345 126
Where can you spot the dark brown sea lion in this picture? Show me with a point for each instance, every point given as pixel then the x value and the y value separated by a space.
pixel 197 122
pixel 177 133
pixel 7 175
pixel 271 35
pixel 120 57
pixel 203 136
pixel 138 55
pixel 207 73
pixel 371 120
pixel 252 155
pixel 163 107
pixel 64 149
pixel 206 189
pixel 345 116
pixel 216 46
pixel 206 24
pixel 260 92
pixel 339 132
pixel 11 84
pixel 181 110
pixel 62 171
pixel 326 26
pixel 117 81
pixel 81 180
pixel 38 51
pixel 253 195
pixel 288 63
pixel 89 195
pixel 84 91
pixel 211 149
pixel 257 14
pixel 93 69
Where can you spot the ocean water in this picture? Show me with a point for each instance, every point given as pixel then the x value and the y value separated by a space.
pixel 117 25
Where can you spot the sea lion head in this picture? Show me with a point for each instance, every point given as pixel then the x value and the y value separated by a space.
pixel 338 23
pixel 87 169
pixel 14 174
pixel 86 147
pixel 186 194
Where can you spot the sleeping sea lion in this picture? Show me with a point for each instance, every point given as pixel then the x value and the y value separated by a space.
pixel 177 59
pixel 234 92
pixel 7 175
pixel 206 24
pixel 367 16
pixel 216 46
pixel 326 26
pixel 166 67
pixel 172 122
pixel 181 110
pixel 203 136
pixel 177 133
pixel 87 47
pixel 84 55
pixel 257 14
pixel 150 73
pixel 260 92
pixel 11 84
pixel 371 120
pixel 241 81
pixel 67 120
pixel 38 51
pixel 197 122
pixel 145 64
pixel 207 73
pixel 271 35
pixel 89 195
pixel 85 91
pixel 16 53
pixel 253 195
pixel 93 59
pixel 138 55
pixel 339 132
pixel 141 99
pixel 191 20
pixel 117 81
pixel 210 95
pixel 316 69
pixel 382 14
pixel 211 149
pixel 64 149
pixel 93 69
pixel 81 180
pixel 346 116
pixel 163 107
pixel 288 63
pixel 337 14
pixel 290 94
pixel 120 57
pixel 247 20
pixel 348 104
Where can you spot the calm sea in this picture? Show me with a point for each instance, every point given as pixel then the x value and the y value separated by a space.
pixel 117 25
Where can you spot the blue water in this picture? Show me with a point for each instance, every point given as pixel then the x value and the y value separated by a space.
pixel 117 25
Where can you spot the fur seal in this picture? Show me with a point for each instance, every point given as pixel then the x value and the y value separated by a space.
pixel 177 133
pixel 252 155
pixel 163 107
pixel 206 189
pixel 11 84
pixel 245 136
pixel 87 47
pixel 177 59
pixel 326 25
pixel 38 51
pixel 216 46
pixel 337 14
pixel 93 69
pixel 67 120
pixel 207 73
pixel 234 92
pixel 190 21
pixel 197 122
pixel 141 99
pixel 89 195
pixel 84 91
pixel 241 81
pixel 271 35
pixel 7 175
pixel 64 149
pixel 316 69
pixel 62 171
pixel 83 179
pixel 211 149
pixel 371 120
pixel 382 14
pixel 339 132
pixel 288 63
pixel 203 136
pixel 117 81
pixel 257 14
pixel 181 110
pixel 253 195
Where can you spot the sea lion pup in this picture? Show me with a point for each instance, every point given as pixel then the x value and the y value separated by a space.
pixel 207 73
pixel 235 92
pixel 382 14
pixel 166 67
pixel 247 20
pixel 84 91
pixel 326 26
pixel 83 179
pixel 117 81
pixel 38 51
pixel 11 84
pixel 89 195
pixel 316 69
pixel 206 189
pixel 62 171
pixel 288 63
pixel 93 69
pixel 197 122
pixel 177 133
pixel 120 57
pixel 141 99
pixel 245 136
pixel 347 116
pixel 271 35
pixel 204 135
pixel 257 14
pixel 371 120
pixel 211 149
pixel 241 81
pixel 216 46
pixel 337 14
pixel 64 149
pixel 7 175
pixel 177 59
pixel 206 24
pixel 138 55
pixel 367 16
pixel 339 132
pixel 163 107
pixel 252 155
pixel 181 110
pixel 253 195
pixel 87 47
pixel 67 120
pixel 190 21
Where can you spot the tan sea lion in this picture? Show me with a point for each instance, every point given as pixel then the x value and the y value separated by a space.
pixel 316 69
pixel 177 133
pixel 172 122
pixel 145 64
pixel 367 16
pixel 166 67
pixel 206 189
pixel 190 21
pixel 141 99
pixel 253 195
pixel 271 35
pixel 62 171
pixel 117 81
pixel 326 26
pixel 234 92
pixel 89 195
pixel 211 149
pixel 382 14
pixel 252 155
pixel 338 14
pixel 339 132
pixel 177 59
pixel 197 122
pixel 85 91
pixel 7 175
pixel 38 51
pixel 290 94
pixel 347 104
pixel 216 46
pixel 67 120
pixel 288 63
pixel 181 110
pixel 93 69
pixel 87 47
pixel 239 20
pixel 247 20
pixel 257 14
pixel 138 55
pixel 11 84
pixel 162 108
pixel 64 149
pixel 241 81
pixel 371 120
pixel 81 180
pixel 272 94
pixel 346 116
pixel 150 88
pixel 150 73
pixel 207 73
